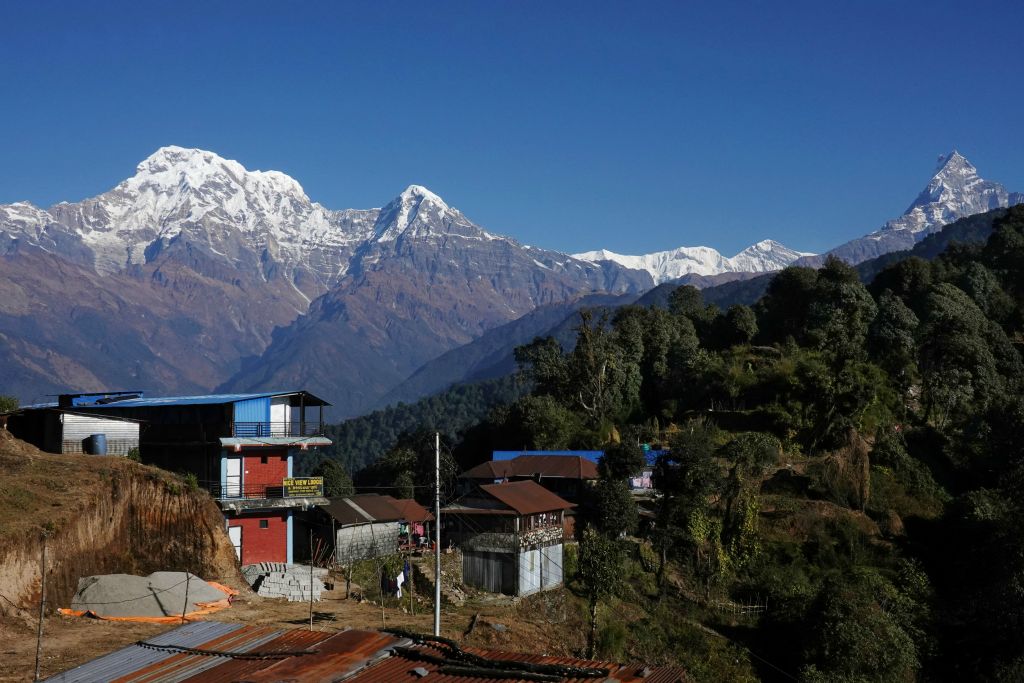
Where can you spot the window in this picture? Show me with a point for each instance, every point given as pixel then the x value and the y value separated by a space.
pixel 263 460
pixel 264 523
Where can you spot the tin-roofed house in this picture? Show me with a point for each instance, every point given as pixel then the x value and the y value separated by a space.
pixel 366 526
pixel 510 535
pixel 239 447
pixel 565 475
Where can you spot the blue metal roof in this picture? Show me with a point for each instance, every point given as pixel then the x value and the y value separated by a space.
pixel 209 399
pixel 592 456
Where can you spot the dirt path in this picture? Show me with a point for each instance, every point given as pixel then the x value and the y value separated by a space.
pixel 543 624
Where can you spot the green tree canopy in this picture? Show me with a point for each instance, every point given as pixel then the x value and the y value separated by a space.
pixel 598 574
pixel 621 461
pixel 337 482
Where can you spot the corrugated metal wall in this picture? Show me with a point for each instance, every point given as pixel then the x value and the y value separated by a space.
pixel 551 569
pixel 540 569
pixel 529 571
pixel 366 541
pixel 122 436
pixel 492 572
pixel 252 417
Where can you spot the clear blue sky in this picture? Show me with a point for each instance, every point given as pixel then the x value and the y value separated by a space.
pixel 634 126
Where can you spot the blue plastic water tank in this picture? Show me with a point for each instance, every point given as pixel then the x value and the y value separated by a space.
pixel 96 444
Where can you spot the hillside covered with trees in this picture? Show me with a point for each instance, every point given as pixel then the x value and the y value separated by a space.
pixel 850 454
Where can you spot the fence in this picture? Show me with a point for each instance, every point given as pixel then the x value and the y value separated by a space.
pixel 278 429
pixel 743 609
pixel 246 492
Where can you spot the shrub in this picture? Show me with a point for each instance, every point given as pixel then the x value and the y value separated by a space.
pixel 611 640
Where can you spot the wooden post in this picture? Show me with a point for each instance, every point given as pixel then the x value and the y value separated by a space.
pixel 184 607
pixel 42 607
pixel 437 533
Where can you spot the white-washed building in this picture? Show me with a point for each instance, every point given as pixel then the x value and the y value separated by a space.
pixel 511 537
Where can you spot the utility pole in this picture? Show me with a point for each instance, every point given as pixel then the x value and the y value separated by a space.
pixel 42 606
pixel 437 533
pixel 311 579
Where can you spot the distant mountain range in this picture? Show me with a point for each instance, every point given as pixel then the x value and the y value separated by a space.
pixel 955 191
pixel 198 275
pixel 666 266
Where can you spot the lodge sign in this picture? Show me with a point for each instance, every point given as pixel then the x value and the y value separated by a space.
pixel 303 487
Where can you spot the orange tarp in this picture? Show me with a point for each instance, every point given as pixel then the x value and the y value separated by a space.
pixel 205 609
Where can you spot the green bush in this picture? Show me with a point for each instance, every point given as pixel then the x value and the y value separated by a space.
pixel 611 641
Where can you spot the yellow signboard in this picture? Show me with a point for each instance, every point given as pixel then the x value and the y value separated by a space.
pixel 303 486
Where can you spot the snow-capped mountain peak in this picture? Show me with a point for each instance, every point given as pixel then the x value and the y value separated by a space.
pixel 176 171
pixel 663 266
pixel 417 194
pixel 954 178
pixel 418 212
pixel 954 191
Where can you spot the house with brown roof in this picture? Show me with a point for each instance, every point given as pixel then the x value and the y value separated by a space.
pixel 371 525
pixel 563 475
pixel 510 535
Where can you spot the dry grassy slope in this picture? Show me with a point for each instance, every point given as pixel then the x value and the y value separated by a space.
pixel 100 515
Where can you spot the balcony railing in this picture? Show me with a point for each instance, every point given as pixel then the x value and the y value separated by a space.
pixel 256 430
pixel 246 492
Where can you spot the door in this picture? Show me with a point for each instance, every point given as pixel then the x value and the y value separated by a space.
pixel 235 534
pixel 233 478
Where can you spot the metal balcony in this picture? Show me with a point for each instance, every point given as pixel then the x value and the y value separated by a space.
pixel 256 430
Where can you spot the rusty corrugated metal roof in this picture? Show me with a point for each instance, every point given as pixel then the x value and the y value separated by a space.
pixel 411 510
pixel 338 656
pixel 353 656
pixel 526 497
pixel 492 469
pixel 399 667
pixel 558 466
pixel 363 509
pixel 231 670
pixel 181 665
pixel 132 658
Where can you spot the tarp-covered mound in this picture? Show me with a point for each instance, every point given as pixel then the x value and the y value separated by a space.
pixel 159 597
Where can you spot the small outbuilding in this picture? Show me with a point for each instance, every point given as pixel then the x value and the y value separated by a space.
pixel 365 526
pixel 511 537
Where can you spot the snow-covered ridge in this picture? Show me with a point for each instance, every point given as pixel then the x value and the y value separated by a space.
pixel 664 266
pixel 418 212
pixel 955 191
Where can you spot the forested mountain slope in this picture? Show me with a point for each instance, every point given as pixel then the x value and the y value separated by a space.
pixel 850 456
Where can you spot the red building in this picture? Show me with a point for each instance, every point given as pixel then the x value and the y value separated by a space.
pixel 240 447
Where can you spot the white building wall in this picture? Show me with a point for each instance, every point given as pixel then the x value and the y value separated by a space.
pixel 551 566
pixel 529 571
pixel 279 416
pixel 122 435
